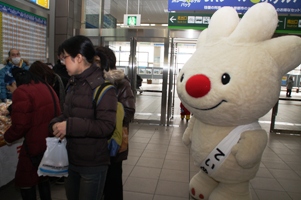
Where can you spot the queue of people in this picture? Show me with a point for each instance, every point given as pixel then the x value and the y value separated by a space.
pixel 60 102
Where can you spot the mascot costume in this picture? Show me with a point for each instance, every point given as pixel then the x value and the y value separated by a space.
pixel 233 79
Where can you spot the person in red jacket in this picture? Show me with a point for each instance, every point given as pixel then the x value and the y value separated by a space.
pixel 34 104
pixel 184 112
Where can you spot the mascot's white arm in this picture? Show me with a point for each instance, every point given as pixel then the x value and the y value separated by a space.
pixel 246 150
pixel 187 134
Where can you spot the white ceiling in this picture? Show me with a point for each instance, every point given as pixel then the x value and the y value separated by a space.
pixel 152 11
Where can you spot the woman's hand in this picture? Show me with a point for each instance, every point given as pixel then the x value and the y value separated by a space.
pixel 59 129
pixel 12 87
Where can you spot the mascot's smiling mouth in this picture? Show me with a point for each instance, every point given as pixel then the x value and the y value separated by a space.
pixel 211 107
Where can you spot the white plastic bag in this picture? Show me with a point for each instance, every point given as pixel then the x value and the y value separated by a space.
pixel 55 160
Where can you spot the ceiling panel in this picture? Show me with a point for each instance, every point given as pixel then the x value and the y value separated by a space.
pixel 152 11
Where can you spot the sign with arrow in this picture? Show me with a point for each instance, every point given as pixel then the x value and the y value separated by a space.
pixel 198 21
pixel 195 21
pixel 172 19
pixel 241 6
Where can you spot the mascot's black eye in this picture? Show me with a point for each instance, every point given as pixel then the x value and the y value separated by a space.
pixel 182 77
pixel 225 78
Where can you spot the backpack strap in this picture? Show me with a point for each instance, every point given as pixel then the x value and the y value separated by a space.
pixel 98 94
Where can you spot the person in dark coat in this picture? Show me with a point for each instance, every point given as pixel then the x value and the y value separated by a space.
pixel 289 86
pixel 33 104
pixel 41 70
pixel 139 83
pixel 60 68
pixel 113 187
pixel 87 136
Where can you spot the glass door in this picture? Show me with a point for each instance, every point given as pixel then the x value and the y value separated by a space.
pixel 181 50
pixel 146 56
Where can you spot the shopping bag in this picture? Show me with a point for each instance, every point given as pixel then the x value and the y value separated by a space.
pixel 55 160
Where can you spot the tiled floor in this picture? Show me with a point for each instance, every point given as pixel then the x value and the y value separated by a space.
pixel 159 166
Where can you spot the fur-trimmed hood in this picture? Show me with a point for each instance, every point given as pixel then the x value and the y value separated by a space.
pixel 114 76
pixel 6 61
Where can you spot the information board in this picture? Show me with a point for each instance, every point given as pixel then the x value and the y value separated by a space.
pixel 198 21
pixel 24 31
pixel 241 6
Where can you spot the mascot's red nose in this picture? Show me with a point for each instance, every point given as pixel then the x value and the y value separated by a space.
pixel 198 85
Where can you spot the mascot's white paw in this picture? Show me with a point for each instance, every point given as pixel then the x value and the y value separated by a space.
pixel 186 139
pixel 201 185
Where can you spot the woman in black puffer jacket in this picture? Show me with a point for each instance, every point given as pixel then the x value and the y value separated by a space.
pixel 87 135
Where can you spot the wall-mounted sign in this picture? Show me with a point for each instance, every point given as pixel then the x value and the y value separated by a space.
pixel 42 3
pixel 198 21
pixel 188 21
pixel 289 24
pixel 241 6
pixel 132 19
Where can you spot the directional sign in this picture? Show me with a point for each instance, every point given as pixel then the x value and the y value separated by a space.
pixel 172 19
pixel 188 21
pixel 198 21
pixel 241 6
pixel 289 24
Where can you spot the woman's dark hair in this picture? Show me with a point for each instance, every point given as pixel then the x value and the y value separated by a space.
pixel 59 50
pixel 23 76
pixel 78 45
pixel 107 58
pixel 42 70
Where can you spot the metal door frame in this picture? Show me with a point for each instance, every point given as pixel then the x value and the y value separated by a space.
pixel 175 37
pixel 134 35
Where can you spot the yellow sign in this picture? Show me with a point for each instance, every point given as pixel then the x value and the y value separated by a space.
pixel 43 3
pixel 182 18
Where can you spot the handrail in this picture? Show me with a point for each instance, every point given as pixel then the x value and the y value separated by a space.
pixel 159 91
pixel 273 118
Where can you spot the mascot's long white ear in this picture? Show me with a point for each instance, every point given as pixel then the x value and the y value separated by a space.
pixel 258 24
pixel 222 24
pixel 286 51
pixel 202 38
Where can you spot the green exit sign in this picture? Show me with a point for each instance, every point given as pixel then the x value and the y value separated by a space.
pixel 198 21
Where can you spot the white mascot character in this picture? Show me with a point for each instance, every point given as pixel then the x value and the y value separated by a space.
pixel 233 79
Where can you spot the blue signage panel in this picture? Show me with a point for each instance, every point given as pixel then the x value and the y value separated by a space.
pixel 241 6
